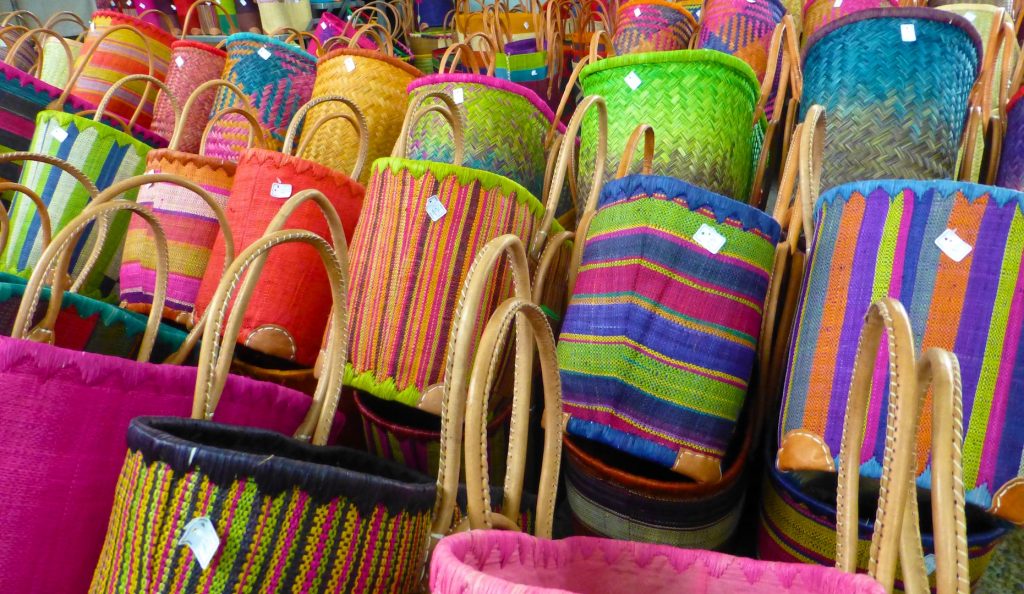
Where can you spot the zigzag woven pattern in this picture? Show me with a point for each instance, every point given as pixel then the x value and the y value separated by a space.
pixel 983 18
pixel 896 110
pixel 106 156
pixel 818 13
pixel 741 28
pixel 652 26
pixel 660 335
pixel 277 85
pixel 876 239
pixel 407 271
pixel 199 63
pixel 317 527
pixel 1011 166
pixel 701 103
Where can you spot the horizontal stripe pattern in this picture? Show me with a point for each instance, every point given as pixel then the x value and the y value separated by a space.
pixel 658 343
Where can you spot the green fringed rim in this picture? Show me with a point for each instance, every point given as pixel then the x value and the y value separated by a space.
pixel 64 119
pixel 385 390
pixel 675 57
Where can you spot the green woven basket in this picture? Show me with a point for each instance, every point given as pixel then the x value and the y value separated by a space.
pixel 701 104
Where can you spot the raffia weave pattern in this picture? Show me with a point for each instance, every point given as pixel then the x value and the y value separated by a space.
pixel 652 26
pixel 1011 166
pixel 741 28
pixel 199 63
pixel 818 13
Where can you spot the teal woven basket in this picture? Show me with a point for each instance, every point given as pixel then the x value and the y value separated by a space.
pixel 702 104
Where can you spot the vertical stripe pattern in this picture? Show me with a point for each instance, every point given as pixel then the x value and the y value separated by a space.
pixel 741 28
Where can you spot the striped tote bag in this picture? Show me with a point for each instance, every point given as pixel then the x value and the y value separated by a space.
pixel 741 28
pixel 952 252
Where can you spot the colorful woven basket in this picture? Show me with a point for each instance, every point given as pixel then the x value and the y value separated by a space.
pixel 896 109
pixel 499 562
pixel 121 54
pixel 191 65
pixel 276 76
pixel 652 26
pixel 702 104
pixel 55 69
pixel 952 252
pixel 1011 165
pixel 375 82
pixel 741 28
pixel 279 14
pixel 818 13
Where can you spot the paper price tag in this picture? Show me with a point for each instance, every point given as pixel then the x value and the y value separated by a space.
pixel 533 73
pixel 264 53
pixel 633 80
pixel 970 16
pixel 951 245
pixel 440 43
pixel 908 32
pixel 526 25
pixel 179 61
pixel 837 3
pixel 435 210
pixel 323 26
pixel 709 238
pixel 350 64
pixel 242 2
pixel 929 563
pixel 280 190
pixel 201 537
pixel 142 5
pixel 92 26
pixel 60 134
pixel 129 3
pixel 636 12
pixel 458 95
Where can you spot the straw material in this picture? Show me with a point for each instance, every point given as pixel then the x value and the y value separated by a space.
pixel 408 271
pixel 874 239
pixel 895 109
pixel 983 17
pixel 290 307
pixel 377 84
pixel 55 62
pixel 702 105
pixel 191 65
pixel 278 14
pixel 106 156
pixel 276 86
pixel 659 340
pixel 1011 166
pixel 120 55
pixel 741 28
pixel 499 562
pixel 652 26
pixel 818 13
pixel 290 516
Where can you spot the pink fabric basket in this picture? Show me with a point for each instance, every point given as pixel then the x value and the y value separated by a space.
pixel 496 562
pixel 65 415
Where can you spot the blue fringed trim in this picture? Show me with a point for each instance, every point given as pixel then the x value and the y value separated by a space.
pixel 624 442
pixel 921 190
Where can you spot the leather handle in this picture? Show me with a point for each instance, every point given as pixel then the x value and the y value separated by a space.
pixel 217 8
pixel 257 137
pixel 462 52
pixel 90 50
pixel 12 52
pixel 359 123
pixel 193 98
pixel 451 113
pixel 647 133
pixel 150 80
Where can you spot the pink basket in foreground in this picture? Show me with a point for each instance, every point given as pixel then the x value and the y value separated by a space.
pixel 496 562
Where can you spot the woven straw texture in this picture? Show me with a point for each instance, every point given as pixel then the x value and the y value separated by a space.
pixel 700 102
pixel 106 156
pixel 505 125
pixel 895 109
pixel 818 13
pixel 659 339
pixel 119 55
pixel 275 14
pixel 407 271
pixel 796 527
pixel 189 223
pixel 1011 166
pixel 519 68
pixel 498 562
pixel 983 17
pixel 290 517
pixel 191 65
pixel 652 26
pixel 55 486
pixel 876 239
pixel 377 84
pixel 1006 4
pixel 276 86
pixel 55 62
pixel 741 28
pixel 293 298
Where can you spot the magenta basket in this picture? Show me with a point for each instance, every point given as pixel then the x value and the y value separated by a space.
pixel 496 562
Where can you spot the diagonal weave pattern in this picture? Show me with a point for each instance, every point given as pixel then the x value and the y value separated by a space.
pixel 741 28
pixel 652 26
pixel 1011 166
pixel 818 13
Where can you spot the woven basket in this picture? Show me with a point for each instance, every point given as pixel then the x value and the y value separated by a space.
pixel 818 13
pixel 375 82
pixel 1011 165
pixel 56 70
pixel 121 54
pixel 652 26
pixel 883 238
pixel 280 14
pixel 276 86
pixel 191 65
pixel 741 28
pixel 895 109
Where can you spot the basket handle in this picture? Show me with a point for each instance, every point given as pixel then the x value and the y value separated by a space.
pixel 215 355
pixel 45 227
pixel 190 102
pixel 450 111
pixel 462 52
pixel 647 133
pixel 385 44
pixel 216 7
pixel 24 16
pixel 257 137
pixel 980 101
pixel 150 80
pixel 86 58
pixel 1006 80
pixel 12 51
pixel 784 50
pixel 574 76
pixel 358 123
pixel 65 16
pixel 163 16
pixel 458 366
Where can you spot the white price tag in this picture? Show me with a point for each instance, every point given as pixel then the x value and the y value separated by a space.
pixel 837 3
pixel 242 2
pixel 201 537
pixel 264 53
pixel 129 3
pixel 435 210
pixel 179 61
pixel 929 563
pixel 709 238
pixel 92 26
pixel 970 16
pixel 142 5
pixel 280 190
pixel 323 26
pixel 458 95
pixel 526 25
pixel 633 80
pixel 908 32
pixel 440 43
pixel 533 73
pixel 951 245
pixel 60 134
pixel 350 64
pixel 636 12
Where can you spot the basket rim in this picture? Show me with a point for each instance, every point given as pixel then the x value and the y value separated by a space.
pixel 1001 196
pixel 267 40
pixel 371 54
pixel 223 166
pixel 216 51
pixel 319 170
pixel 152 30
pixel 676 57
pixel 122 137
pixel 665 4
pixel 491 82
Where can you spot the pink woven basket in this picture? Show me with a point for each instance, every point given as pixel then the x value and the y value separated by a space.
pixel 192 64
pixel 495 562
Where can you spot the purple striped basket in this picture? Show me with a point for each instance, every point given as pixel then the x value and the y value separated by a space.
pixel 1011 166
pixel 741 28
